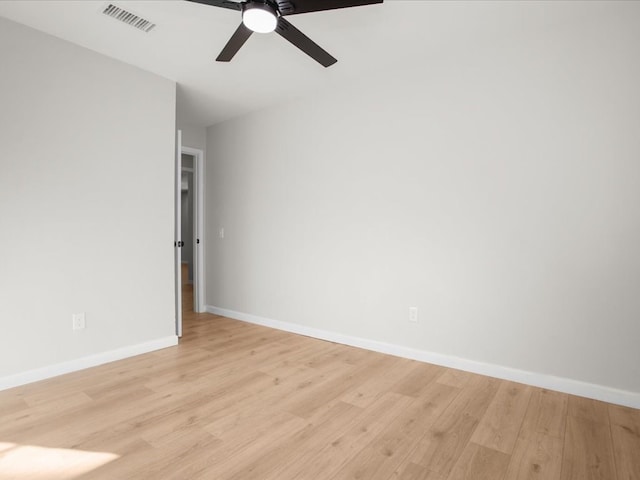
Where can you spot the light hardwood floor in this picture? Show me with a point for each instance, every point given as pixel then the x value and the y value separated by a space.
pixel 239 401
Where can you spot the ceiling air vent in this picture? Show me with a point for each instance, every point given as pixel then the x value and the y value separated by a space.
pixel 128 18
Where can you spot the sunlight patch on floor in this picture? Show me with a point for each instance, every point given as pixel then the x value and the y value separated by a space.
pixel 30 462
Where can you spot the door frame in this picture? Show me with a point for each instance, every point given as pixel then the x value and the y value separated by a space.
pixel 198 227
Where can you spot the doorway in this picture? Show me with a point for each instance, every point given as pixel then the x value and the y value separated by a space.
pixel 189 233
pixel 187 200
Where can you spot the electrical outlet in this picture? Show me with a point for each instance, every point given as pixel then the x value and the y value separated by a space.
pixel 413 314
pixel 77 320
pixel 221 232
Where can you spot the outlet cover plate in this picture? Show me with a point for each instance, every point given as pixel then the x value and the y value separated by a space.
pixel 78 321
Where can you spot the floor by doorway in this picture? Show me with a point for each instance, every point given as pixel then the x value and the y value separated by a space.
pixel 187 293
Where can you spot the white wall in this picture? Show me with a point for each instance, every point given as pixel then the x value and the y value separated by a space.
pixel 87 212
pixel 193 136
pixel 496 188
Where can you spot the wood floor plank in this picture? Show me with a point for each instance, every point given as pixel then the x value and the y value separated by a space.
pixel 10 403
pixel 390 448
pixel 418 378
pixel 154 463
pixel 546 414
pixel 588 450
pixel 455 378
pixel 238 451
pixel 281 391
pixel 439 449
pixel 588 409
pixel 276 458
pixel 333 352
pixel 538 450
pixel 412 471
pixel 625 430
pixel 480 463
pixel 292 361
pixel 536 456
pixel 333 388
pixel 372 388
pixel 25 418
pixel 499 427
pixel 340 449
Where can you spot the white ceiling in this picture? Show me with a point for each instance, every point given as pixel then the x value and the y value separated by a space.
pixel 396 36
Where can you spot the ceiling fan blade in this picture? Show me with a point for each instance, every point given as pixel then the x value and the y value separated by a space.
pixel 220 3
pixel 294 7
pixel 304 43
pixel 235 42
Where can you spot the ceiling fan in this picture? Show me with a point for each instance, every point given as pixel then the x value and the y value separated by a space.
pixel 264 16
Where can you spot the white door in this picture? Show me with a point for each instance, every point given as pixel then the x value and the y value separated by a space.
pixel 178 234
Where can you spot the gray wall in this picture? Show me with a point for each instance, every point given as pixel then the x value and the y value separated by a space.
pixel 496 188
pixel 193 136
pixel 87 212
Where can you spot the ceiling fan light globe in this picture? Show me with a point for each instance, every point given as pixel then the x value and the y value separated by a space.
pixel 259 19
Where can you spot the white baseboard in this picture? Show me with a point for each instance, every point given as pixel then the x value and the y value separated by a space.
pixel 85 362
pixel 565 385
